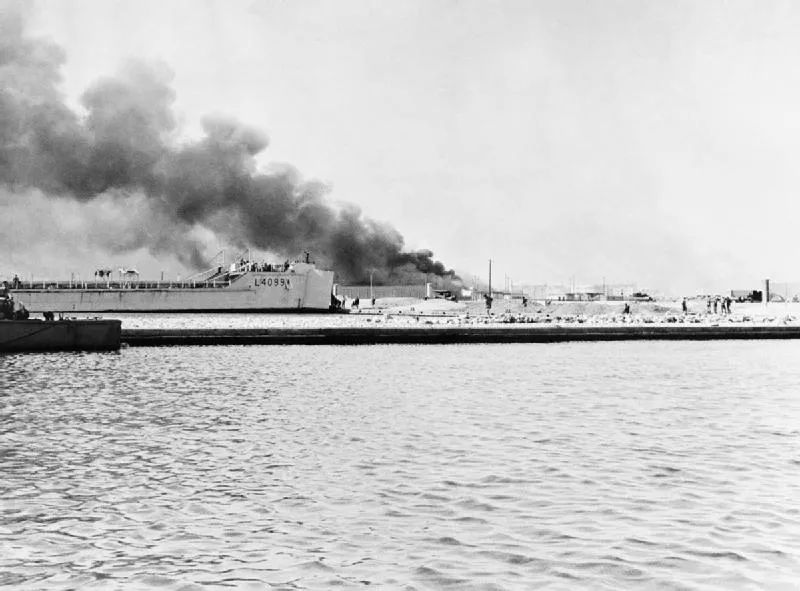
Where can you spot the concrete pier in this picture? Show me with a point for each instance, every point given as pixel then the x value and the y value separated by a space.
pixel 448 335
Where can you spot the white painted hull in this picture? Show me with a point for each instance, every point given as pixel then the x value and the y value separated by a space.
pixel 306 291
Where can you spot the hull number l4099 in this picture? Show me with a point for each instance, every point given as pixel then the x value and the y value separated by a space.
pixel 273 282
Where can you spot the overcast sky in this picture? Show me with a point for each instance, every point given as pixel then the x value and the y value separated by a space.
pixel 638 141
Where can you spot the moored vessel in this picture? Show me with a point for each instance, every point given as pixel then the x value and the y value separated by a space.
pixel 242 286
pixel 60 335
pixel 18 332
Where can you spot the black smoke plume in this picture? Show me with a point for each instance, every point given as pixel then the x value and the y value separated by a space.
pixel 123 147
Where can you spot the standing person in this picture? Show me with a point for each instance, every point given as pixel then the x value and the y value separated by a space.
pixel 716 303
pixel 6 308
pixel 488 300
pixel 684 307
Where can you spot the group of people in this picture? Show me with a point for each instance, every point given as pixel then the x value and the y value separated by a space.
pixel 723 304
pixel 247 265
pixel 715 305
pixel 259 267
pixel 10 310
pixel 341 303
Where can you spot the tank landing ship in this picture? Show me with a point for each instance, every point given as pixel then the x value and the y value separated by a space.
pixel 244 286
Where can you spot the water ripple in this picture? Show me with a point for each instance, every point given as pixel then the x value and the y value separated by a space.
pixel 603 465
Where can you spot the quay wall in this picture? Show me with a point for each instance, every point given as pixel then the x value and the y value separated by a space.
pixel 447 335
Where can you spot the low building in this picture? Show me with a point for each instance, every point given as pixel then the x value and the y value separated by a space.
pixel 747 295
pixel 366 292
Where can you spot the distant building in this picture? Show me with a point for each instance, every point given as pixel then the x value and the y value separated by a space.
pixel 380 291
pixel 747 295
pixel 581 293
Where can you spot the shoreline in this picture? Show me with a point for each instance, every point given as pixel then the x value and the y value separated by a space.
pixel 414 321
pixel 448 335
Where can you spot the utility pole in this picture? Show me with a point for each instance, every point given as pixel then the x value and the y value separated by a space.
pixel 490 277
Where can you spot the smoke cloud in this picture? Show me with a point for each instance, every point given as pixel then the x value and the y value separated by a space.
pixel 122 151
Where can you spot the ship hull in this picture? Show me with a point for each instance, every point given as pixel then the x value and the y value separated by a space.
pixel 59 335
pixel 252 292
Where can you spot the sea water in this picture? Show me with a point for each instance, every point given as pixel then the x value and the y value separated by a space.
pixel 632 465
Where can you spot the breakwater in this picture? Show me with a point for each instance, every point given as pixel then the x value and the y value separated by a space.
pixel 446 335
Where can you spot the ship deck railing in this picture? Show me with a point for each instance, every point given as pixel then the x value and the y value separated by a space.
pixel 119 285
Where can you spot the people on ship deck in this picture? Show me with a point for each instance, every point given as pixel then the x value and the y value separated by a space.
pixel 11 311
